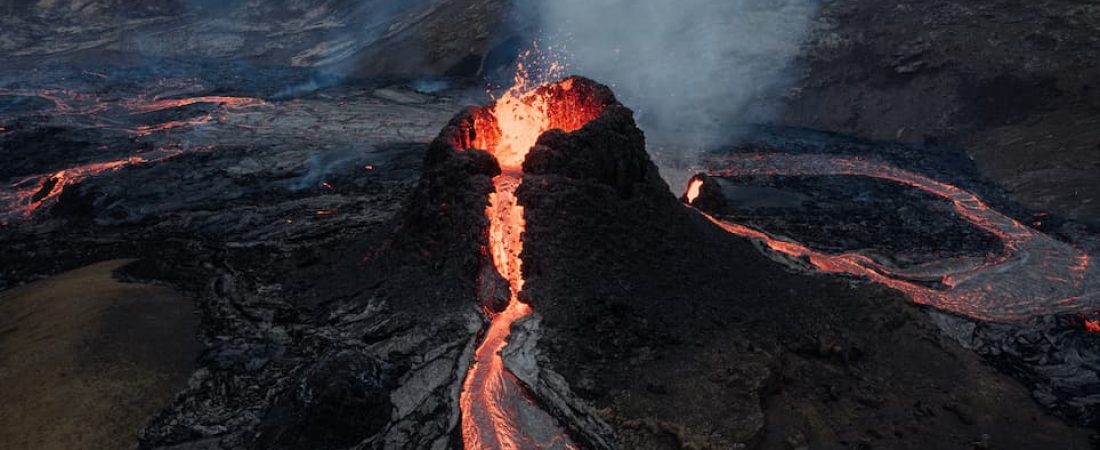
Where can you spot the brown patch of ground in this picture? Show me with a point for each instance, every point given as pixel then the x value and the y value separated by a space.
pixel 86 360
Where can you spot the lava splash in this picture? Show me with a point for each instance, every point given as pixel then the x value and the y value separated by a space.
pixel 497 411
pixel 1035 275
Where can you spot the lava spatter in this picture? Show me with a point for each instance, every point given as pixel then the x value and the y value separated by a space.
pixel 1036 275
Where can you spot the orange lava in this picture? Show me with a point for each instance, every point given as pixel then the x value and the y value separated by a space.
pixel 223 101
pixel 1092 326
pixel 1035 275
pixel 73 104
pixel 27 195
pixel 22 197
pixel 694 187
pixel 226 104
pixel 492 398
pixel 146 130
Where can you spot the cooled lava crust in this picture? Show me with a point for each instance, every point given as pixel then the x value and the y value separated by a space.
pixel 677 332
pixel 684 333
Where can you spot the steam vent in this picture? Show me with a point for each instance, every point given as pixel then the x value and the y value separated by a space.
pixel 555 225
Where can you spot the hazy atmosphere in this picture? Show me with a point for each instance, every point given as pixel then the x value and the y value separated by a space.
pixel 690 69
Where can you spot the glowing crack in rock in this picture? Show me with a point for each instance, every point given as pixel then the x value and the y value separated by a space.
pixel 1036 275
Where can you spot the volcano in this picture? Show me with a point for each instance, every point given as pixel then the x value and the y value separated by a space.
pixel 522 133
pixel 520 275
pixel 598 290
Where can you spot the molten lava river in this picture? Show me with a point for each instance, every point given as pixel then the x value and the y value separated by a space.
pixel 1036 275
pixel 496 410
pixel 26 195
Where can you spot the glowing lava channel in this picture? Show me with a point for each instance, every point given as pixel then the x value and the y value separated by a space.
pixel 497 412
pixel 99 113
pixel 159 104
pixel 25 196
pixel 1037 274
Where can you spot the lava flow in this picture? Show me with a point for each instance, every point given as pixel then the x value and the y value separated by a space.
pixel 26 194
pixel 496 409
pixel 1036 275
pixel 23 197
pixel 95 112
pixel 163 104
pixel 225 105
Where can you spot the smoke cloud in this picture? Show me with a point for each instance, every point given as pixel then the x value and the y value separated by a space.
pixel 691 69
pixel 321 165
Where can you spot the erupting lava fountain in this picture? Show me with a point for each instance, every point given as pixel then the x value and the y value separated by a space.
pixel 496 410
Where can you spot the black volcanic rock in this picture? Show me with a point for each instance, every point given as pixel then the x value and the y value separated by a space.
pixel 42 150
pixel 443 223
pixel 710 199
pixel 609 150
pixel 637 291
pixel 342 400
pixel 367 38
pixel 1015 106
pixel 683 335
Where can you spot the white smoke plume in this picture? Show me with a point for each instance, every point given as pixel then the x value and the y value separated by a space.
pixel 691 69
